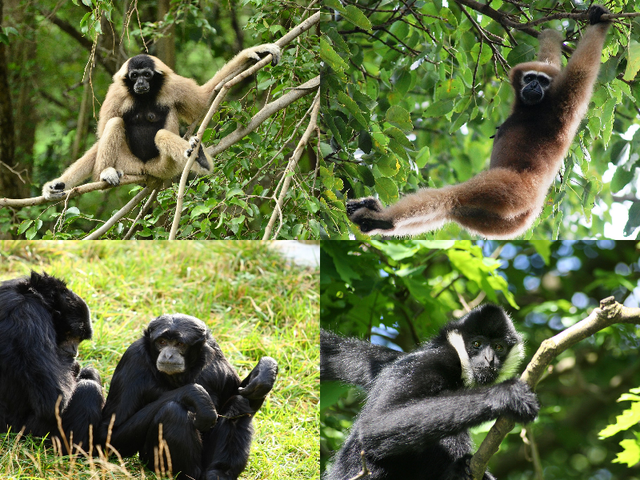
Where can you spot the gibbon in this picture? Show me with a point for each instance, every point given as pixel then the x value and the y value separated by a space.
pixel 138 126
pixel 420 405
pixel 528 150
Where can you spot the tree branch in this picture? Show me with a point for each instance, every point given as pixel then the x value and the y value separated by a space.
pixel 609 313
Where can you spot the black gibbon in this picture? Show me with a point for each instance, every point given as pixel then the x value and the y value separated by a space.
pixel 420 405
pixel 177 376
pixel 528 150
pixel 42 323
pixel 138 126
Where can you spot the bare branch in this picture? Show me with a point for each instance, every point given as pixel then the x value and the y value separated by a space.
pixel 293 162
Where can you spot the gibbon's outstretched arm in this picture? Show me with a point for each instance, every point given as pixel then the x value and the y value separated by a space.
pixel 138 127
pixel 351 360
pixel 528 150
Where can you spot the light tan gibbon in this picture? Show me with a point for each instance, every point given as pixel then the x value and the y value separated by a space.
pixel 138 126
pixel 529 147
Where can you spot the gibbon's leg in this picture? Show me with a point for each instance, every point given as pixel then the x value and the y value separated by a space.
pixel 72 176
pixel 112 150
pixel 497 203
pixel 172 159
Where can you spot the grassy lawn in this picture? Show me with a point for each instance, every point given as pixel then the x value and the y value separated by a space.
pixel 254 303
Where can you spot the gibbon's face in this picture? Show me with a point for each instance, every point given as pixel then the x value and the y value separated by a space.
pixel 142 76
pixel 487 357
pixel 534 87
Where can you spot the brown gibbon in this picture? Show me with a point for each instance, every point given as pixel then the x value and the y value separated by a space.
pixel 503 201
pixel 139 121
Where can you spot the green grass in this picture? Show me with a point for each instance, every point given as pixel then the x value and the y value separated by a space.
pixel 252 301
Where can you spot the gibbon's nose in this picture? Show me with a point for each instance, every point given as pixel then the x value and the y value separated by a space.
pixel 490 357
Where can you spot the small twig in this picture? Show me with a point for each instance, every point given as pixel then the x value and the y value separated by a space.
pixel 293 162
pixel 143 212
pixel 365 471
pixel 119 214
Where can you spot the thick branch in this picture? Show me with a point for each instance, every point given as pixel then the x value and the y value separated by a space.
pixel 609 313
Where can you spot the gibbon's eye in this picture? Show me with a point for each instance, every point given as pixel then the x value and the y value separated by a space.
pixel 499 348
pixel 151 117
pixel 476 344
pixel 529 77
pixel 543 81
pixel 162 342
pixel 133 75
pixel 180 345
pixel 147 74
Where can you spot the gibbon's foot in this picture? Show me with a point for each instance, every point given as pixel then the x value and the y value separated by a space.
pixel 111 176
pixel 261 51
pixel 53 190
pixel 595 12
pixel 201 158
pixel 358 212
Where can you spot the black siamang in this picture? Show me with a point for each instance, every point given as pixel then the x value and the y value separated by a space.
pixel 421 404
pixel 41 324
pixel 177 376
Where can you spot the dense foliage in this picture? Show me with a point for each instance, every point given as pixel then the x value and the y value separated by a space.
pixel 413 93
pixel 398 293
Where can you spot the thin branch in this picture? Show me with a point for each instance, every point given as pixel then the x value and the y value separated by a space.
pixel 609 313
pixel 293 162
pixel 74 192
pixel 119 214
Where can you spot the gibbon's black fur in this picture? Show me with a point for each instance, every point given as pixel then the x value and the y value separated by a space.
pixel 177 376
pixel 139 122
pixel 504 201
pixel 420 405
pixel 41 324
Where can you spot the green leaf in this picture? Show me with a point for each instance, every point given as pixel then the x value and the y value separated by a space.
pixel 621 179
pixel 633 61
pixel 387 190
pixel 634 219
pixel 331 58
pixel 359 19
pixel 353 108
pixel 399 117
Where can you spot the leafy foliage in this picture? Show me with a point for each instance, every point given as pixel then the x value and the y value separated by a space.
pixel 414 92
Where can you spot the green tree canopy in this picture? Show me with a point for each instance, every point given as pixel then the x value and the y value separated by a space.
pixel 414 91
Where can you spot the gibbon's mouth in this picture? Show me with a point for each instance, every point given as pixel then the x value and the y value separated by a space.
pixel 140 90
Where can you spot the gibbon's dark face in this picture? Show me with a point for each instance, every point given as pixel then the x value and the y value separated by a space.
pixel 489 347
pixel 142 76
pixel 534 87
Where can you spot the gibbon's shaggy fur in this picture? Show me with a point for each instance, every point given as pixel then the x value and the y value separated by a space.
pixel 138 127
pixel 420 405
pixel 528 150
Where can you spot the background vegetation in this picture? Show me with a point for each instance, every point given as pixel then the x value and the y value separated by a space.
pixel 414 91
pixel 56 63
pixel 399 293
pixel 254 303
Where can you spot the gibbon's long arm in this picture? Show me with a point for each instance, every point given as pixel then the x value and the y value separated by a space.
pixel 528 150
pixel 146 121
pixel 351 360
